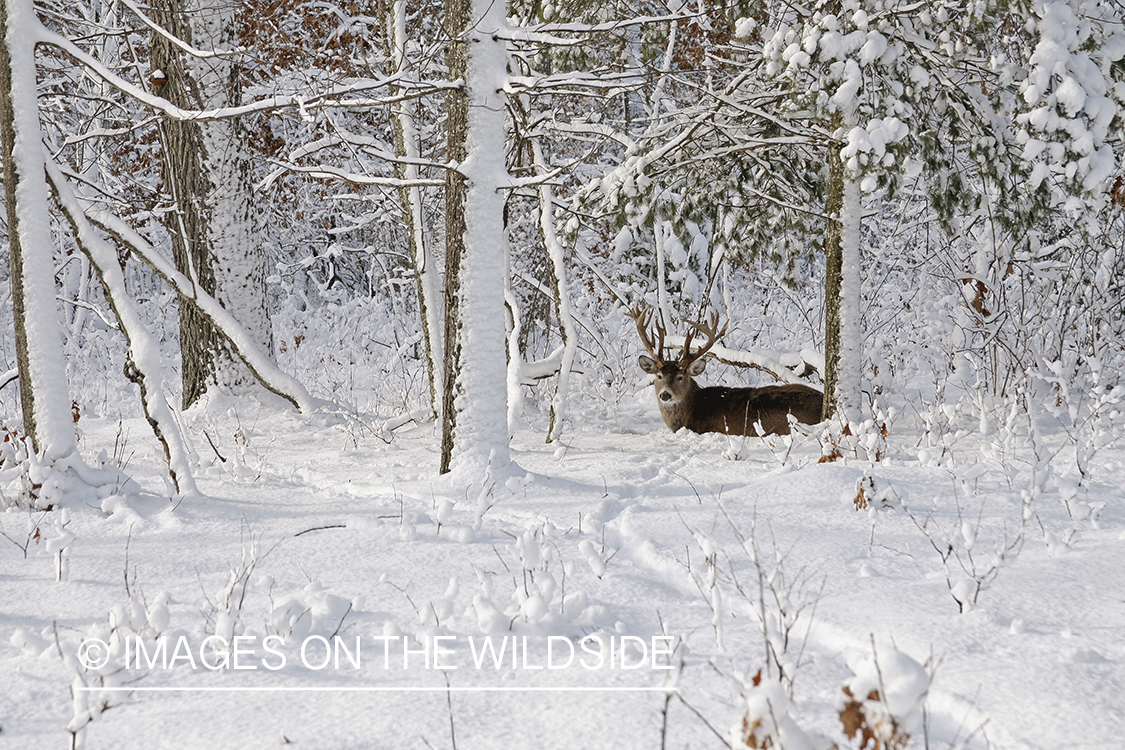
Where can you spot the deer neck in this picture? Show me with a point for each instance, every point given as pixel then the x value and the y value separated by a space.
pixel 679 414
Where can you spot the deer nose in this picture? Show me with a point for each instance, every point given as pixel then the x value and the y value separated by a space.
pixel 666 396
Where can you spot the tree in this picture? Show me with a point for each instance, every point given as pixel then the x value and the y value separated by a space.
pixel 85 209
pixel 910 96
pixel 43 385
pixel 406 147
pixel 206 173
pixel 475 426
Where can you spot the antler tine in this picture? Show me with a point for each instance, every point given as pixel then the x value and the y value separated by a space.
pixel 710 330
pixel 642 315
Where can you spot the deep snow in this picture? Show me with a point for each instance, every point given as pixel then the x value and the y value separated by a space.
pixel 1037 663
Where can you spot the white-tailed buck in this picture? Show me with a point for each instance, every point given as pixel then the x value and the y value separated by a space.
pixel 733 411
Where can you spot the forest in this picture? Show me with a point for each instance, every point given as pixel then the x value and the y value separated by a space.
pixel 328 343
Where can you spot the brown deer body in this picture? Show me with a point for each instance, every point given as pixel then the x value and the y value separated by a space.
pixel 732 411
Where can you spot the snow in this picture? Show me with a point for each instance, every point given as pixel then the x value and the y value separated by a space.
pixel 611 542
pixel 1067 94
pixel 947 567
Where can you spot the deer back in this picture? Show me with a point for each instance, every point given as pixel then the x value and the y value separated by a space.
pixel 733 411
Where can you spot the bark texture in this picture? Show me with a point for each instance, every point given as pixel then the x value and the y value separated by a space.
pixel 457 130
pixel 206 173
pixel 833 257
pixel 11 180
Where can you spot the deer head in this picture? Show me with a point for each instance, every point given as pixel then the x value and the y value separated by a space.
pixel 674 382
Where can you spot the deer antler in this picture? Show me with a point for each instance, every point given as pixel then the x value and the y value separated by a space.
pixel 711 330
pixel 642 315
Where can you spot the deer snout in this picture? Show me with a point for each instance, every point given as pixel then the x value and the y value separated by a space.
pixel 665 396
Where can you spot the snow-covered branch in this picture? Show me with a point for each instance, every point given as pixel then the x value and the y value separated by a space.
pixel 157 28
pixel 335 173
pixel 548 33
pixel 779 365
pixel 267 373
pixel 343 96
pixel 144 348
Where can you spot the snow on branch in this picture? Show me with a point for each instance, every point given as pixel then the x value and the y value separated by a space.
pixel 267 373
pixel 202 54
pixel 615 82
pixel 780 365
pixel 143 366
pixel 332 98
pixel 374 147
pixel 541 368
pixel 354 178
pixel 547 33
pixel 547 178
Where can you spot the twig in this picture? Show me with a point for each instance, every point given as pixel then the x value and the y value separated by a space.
pixel 706 723
pixel 322 528
pixel 336 632
pixel 449 702
pixel 212 444
pixel 128 539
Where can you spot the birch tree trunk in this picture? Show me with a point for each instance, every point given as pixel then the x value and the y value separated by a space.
pixel 44 393
pixel 206 172
pixel 557 266
pixel 475 427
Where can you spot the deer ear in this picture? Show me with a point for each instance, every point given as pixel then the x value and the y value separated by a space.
pixel 697 367
pixel 647 364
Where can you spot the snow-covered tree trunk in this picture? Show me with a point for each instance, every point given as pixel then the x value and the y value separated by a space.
pixel 143 363
pixel 556 255
pixel 849 368
pixel 206 172
pixel 843 328
pixel 406 143
pixel 44 392
pixel 475 426
pixel 832 208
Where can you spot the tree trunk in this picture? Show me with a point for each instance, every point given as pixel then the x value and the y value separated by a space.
pixel 44 395
pixel 476 434
pixel 426 275
pixel 843 330
pixel 557 267
pixel 849 364
pixel 206 172
pixel 832 207
pixel 457 129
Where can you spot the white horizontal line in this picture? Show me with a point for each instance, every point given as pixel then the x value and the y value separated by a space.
pixel 375 689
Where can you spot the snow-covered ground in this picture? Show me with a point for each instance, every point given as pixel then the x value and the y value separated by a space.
pixel 315 527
